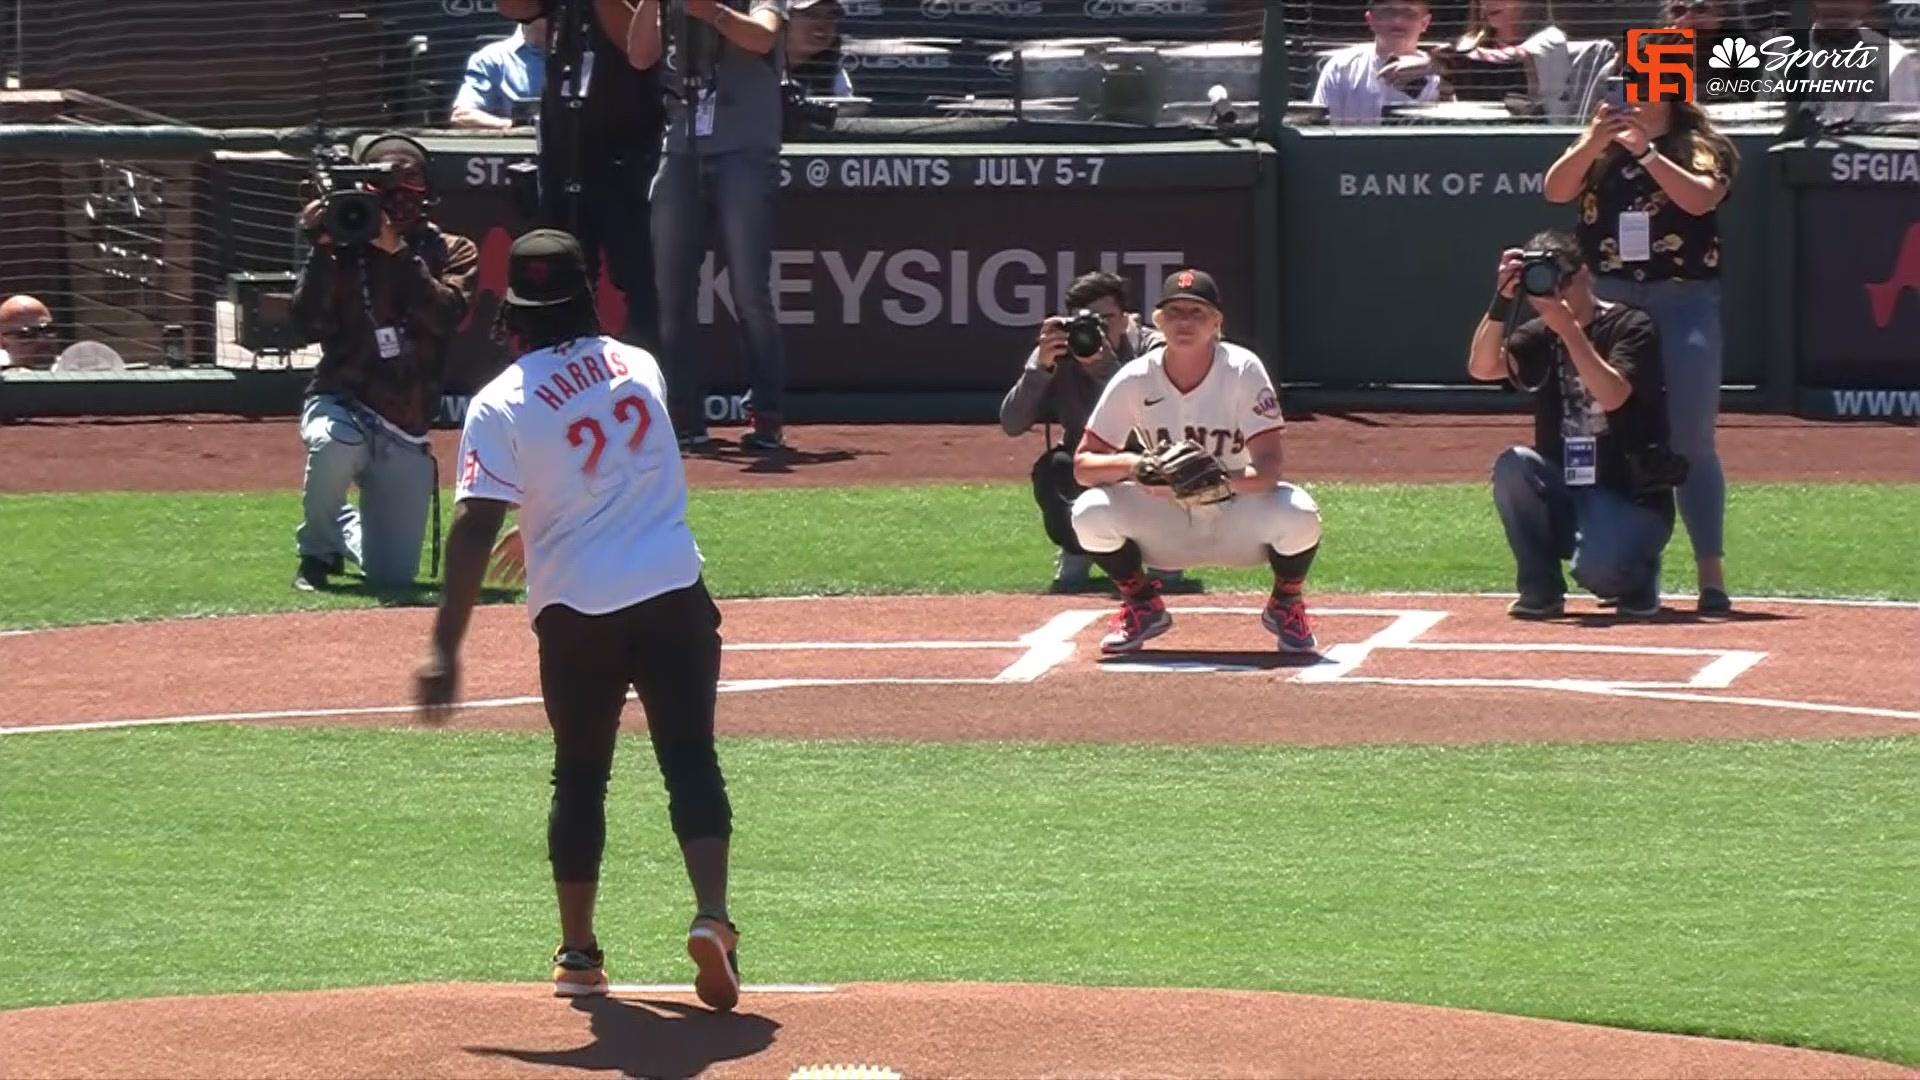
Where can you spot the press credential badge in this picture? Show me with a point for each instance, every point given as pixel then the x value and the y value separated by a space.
pixel 1580 454
pixel 1636 236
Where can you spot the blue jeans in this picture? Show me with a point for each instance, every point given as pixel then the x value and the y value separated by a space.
pixel 383 535
pixel 1687 314
pixel 1614 543
pixel 736 190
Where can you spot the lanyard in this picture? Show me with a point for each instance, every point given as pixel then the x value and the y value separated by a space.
pixel 366 289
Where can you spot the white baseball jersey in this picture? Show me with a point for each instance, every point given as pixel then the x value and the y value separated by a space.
pixel 578 437
pixel 1234 403
pixel 1353 92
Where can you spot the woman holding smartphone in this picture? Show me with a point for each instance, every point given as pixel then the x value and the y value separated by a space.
pixel 1649 179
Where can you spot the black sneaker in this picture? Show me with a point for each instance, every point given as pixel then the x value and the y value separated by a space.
pixel 1537 607
pixel 1714 602
pixel 763 440
pixel 1640 605
pixel 312 575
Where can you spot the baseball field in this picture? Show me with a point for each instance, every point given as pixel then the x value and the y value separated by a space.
pixel 1452 845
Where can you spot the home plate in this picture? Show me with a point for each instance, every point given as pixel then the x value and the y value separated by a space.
pixel 687 988
pixel 1158 666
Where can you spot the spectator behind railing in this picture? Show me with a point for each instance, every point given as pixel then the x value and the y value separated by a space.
pixel 1510 48
pixel 813 49
pixel 1903 66
pixel 1703 17
pixel 503 81
pixel 26 334
pixel 1359 81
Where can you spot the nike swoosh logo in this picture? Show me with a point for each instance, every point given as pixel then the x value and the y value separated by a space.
pixel 1154 400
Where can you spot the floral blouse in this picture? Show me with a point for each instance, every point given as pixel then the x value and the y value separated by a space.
pixel 1684 246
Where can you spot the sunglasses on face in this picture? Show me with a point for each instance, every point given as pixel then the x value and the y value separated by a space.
pixel 29 333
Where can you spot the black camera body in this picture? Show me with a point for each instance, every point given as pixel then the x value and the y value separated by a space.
pixel 1542 273
pixel 1655 469
pixel 349 196
pixel 1086 333
pixel 802 116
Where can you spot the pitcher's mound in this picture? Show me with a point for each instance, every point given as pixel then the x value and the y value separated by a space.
pixel 942 1030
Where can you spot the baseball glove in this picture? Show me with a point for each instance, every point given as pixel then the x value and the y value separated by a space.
pixel 1196 477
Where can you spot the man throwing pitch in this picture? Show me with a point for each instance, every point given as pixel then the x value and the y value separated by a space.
pixel 575 433
pixel 1203 486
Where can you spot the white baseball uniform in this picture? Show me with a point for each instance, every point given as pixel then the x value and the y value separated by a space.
pixel 1235 402
pixel 578 437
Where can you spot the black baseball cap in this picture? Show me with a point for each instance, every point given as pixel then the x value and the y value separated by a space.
pixel 545 268
pixel 1190 284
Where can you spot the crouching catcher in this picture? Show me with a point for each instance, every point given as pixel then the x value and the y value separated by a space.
pixel 1182 459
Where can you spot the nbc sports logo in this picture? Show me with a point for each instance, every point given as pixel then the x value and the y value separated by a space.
pixel 1733 52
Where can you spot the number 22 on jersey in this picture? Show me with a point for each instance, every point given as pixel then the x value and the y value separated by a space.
pixel 629 410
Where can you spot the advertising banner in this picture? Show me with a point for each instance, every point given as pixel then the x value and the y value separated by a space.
pixel 909 272
pixel 1857 283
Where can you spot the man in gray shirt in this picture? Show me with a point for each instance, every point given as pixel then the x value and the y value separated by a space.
pixel 720 162
pixel 1057 384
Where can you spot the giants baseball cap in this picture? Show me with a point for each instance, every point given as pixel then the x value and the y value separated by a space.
pixel 545 268
pixel 1190 285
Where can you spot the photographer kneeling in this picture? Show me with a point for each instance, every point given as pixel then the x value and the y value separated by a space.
pixel 1597 485
pixel 382 291
pixel 1063 377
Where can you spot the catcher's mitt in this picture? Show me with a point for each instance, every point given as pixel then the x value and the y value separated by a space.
pixel 1196 477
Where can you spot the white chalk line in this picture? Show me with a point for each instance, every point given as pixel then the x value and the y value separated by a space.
pixel 1052 644
pixel 1820 601
pixel 727 686
pixel 1049 646
pixel 1405 627
pixel 1044 649
pixel 1408 625
pixel 1611 689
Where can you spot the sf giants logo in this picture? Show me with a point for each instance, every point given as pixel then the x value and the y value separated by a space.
pixel 1662 61
pixel 1224 440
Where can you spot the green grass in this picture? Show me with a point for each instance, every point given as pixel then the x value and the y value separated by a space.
pixel 1755 890
pixel 92 557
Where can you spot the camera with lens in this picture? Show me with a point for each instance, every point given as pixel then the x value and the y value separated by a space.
pixel 1086 333
pixel 349 197
pixel 802 116
pixel 1542 273
pixel 1655 468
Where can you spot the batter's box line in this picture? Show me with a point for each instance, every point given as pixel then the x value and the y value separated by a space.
pixel 1620 690
pixel 1726 665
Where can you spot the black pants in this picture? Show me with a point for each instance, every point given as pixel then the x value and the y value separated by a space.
pixel 616 230
pixel 1054 488
pixel 668 650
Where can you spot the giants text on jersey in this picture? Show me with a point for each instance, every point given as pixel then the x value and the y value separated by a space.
pixel 1234 403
